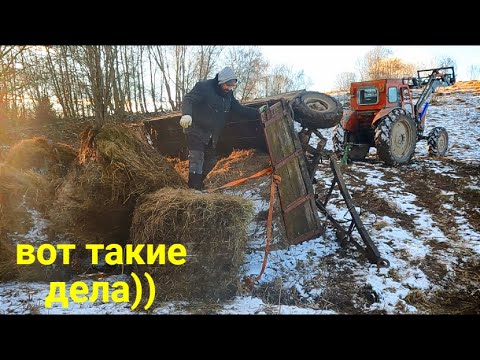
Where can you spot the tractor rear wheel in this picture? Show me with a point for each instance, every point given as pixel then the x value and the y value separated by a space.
pixel 437 142
pixel 317 110
pixel 340 135
pixel 396 137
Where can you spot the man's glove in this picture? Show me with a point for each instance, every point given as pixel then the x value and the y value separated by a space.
pixel 262 109
pixel 185 121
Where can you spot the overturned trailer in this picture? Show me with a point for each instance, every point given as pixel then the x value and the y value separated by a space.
pixel 316 109
pixel 293 158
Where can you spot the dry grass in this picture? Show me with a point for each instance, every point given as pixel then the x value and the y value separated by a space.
pixel 461 86
pixel 21 191
pixel 180 166
pixel 212 227
pixel 115 166
pixel 10 270
pixel 132 166
pixel 239 164
pixel 41 155
pixel 458 296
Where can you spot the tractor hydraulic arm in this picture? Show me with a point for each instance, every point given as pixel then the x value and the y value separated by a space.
pixel 438 77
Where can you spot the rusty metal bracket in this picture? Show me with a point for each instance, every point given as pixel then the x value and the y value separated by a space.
pixel 370 249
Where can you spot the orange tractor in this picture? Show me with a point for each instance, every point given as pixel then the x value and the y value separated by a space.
pixel 382 115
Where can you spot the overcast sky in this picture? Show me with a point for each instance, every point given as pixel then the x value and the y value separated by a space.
pixel 323 63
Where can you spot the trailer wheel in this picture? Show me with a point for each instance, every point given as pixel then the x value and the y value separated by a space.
pixel 341 137
pixel 317 110
pixel 396 137
pixel 437 142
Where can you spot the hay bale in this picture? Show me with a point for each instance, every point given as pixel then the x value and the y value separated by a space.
pixel 212 227
pixel 115 166
pixel 65 153
pixel 85 211
pixel 41 155
pixel 133 166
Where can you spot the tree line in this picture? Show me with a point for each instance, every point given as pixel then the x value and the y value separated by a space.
pixel 111 82
pixel 379 63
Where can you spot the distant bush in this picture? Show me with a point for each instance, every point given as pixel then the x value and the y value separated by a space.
pixel 44 112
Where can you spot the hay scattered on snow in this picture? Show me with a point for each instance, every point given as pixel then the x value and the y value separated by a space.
pixel 20 192
pixel 458 296
pixel 10 270
pixel 212 227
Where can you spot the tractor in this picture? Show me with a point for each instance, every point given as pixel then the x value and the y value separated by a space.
pixel 382 115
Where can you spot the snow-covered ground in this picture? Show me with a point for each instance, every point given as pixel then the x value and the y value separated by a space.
pixel 419 216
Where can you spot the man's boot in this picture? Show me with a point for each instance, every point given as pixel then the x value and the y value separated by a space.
pixel 195 181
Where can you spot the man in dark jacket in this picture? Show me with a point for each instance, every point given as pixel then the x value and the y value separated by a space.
pixel 205 109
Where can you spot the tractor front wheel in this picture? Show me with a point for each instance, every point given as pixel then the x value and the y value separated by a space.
pixel 396 137
pixel 437 142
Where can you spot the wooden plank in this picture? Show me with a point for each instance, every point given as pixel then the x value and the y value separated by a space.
pixel 295 190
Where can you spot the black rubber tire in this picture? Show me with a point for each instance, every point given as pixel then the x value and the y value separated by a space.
pixel 355 153
pixel 396 137
pixel 437 142
pixel 317 110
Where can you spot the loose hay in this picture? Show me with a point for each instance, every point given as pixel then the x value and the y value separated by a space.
pixel 212 227
pixel 41 155
pixel 20 192
pixel 459 295
pixel 132 166
pixel 10 270
pixel 96 201
pixel 239 164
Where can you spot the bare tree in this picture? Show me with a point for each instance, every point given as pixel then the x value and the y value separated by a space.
pixel 394 68
pixel 250 67
pixel 117 86
pixel 160 56
pixel 474 72
pixel 369 66
pixel 379 64
pixel 344 79
pixel 152 72
pixel 8 80
pixel 206 60
pixel 98 63
pixel 445 61
pixel 36 75
pixel 283 79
